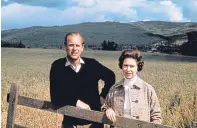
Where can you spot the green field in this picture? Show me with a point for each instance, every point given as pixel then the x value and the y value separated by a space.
pixel 174 78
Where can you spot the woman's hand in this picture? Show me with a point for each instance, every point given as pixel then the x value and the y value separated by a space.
pixel 111 114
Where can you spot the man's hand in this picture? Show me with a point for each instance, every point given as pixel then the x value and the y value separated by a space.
pixel 102 100
pixel 83 105
pixel 111 114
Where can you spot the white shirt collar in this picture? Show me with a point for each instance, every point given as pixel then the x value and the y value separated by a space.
pixel 130 82
pixel 68 63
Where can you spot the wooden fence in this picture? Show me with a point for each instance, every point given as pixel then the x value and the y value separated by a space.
pixel 14 99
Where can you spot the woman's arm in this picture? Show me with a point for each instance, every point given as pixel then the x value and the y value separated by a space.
pixel 155 109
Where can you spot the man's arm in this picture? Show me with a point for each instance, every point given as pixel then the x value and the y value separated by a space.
pixel 107 76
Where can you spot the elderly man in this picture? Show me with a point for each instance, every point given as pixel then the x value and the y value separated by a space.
pixel 74 81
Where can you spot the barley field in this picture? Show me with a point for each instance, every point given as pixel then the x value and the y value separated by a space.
pixel 174 78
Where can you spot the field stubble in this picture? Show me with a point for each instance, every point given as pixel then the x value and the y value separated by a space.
pixel 175 83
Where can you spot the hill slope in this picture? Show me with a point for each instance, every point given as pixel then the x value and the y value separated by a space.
pixel 94 33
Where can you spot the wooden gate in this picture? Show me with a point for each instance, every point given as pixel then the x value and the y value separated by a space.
pixel 14 99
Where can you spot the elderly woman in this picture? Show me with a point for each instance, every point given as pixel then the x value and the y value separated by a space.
pixel 132 97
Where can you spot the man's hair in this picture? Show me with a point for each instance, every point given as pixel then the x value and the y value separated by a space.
pixel 135 54
pixel 73 34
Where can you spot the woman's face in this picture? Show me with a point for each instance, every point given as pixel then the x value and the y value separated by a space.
pixel 129 68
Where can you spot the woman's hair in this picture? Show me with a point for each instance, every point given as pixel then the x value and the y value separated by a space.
pixel 135 54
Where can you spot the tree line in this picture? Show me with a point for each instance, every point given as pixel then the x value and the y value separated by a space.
pixel 187 48
pixel 12 44
pixel 190 47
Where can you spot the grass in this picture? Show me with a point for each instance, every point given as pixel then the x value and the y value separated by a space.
pixel 173 77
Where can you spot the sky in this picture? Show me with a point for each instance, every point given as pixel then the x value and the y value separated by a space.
pixel 27 13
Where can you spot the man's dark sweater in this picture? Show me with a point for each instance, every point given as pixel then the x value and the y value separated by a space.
pixel 67 86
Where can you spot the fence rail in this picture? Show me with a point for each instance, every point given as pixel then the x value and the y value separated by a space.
pixel 14 99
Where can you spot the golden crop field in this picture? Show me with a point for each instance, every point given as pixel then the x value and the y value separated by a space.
pixel 173 77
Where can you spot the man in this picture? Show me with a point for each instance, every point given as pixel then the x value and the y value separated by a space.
pixel 74 81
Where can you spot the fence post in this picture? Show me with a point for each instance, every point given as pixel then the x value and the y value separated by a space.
pixel 13 100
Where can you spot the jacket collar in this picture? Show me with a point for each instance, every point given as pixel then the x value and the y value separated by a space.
pixel 137 84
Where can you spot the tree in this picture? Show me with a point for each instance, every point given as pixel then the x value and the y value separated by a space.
pixel 21 45
pixel 190 47
pixel 109 45
pixel 104 45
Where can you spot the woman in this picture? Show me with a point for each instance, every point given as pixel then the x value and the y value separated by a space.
pixel 132 97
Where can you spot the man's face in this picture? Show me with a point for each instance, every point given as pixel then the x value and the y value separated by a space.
pixel 74 47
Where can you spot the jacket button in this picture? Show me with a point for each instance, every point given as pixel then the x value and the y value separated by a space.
pixel 136 101
pixel 137 117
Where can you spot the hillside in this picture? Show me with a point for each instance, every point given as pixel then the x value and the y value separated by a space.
pixel 94 33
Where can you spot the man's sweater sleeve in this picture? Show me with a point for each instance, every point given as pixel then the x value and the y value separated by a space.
pixel 107 76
